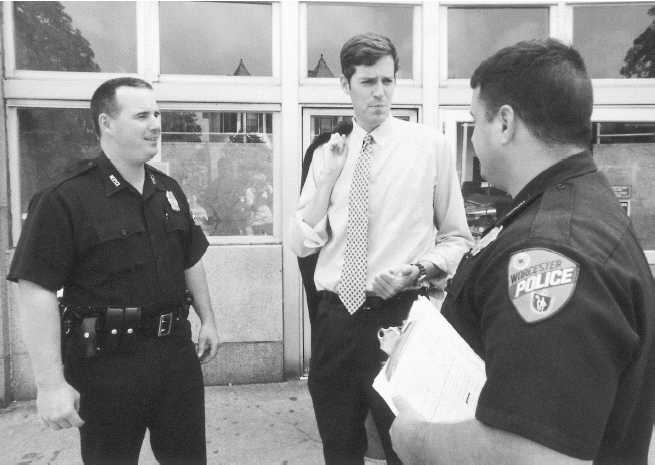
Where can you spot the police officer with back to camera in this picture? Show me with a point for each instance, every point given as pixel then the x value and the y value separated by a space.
pixel 557 298
pixel 118 237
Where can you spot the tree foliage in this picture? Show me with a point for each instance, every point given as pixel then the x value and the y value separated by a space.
pixel 47 40
pixel 640 58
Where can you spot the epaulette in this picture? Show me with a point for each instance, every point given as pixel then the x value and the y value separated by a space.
pixel 158 171
pixel 74 170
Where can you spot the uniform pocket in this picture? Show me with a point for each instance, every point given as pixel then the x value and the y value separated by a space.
pixel 119 247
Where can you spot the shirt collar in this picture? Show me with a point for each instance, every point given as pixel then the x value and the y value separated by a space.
pixel 380 134
pixel 114 182
pixel 571 167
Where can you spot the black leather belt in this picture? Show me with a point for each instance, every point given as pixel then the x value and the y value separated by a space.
pixel 372 301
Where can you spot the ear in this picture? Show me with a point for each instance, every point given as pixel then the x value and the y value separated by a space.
pixel 104 122
pixel 345 84
pixel 507 119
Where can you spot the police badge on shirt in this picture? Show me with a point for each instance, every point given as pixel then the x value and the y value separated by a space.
pixel 540 282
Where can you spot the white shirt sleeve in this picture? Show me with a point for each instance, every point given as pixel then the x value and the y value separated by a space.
pixel 453 234
pixel 304 239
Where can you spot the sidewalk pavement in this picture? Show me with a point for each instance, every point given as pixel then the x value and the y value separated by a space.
pixel 257 424
pixel 254 424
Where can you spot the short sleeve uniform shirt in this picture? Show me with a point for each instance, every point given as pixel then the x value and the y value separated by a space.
pixel 105 243
pixel 561 307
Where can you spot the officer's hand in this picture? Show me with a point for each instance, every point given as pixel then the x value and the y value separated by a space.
pixel 208 342
pixel 58 406
pixel 390 282
pixel 337 150
pixel 406 433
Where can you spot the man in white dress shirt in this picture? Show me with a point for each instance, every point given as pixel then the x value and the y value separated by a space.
pixel 384 209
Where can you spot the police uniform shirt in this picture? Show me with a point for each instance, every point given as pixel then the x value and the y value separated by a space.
pixel 560 306
pixel 95 235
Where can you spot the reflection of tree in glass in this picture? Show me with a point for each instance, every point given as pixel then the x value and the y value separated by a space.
pixel 640 58
pixel 51 140
pixel 46 39
pixel 180 126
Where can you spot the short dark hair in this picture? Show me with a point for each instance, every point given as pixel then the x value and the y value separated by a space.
pixel 104 98
pixel 366 49
pixel 546 83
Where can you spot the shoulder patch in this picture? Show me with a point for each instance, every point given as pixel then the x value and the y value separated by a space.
pixel 540 282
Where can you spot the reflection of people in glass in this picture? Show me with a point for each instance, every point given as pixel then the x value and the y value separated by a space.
pixel 259 198
pixel 558 298
pixel 383 208
pixel 198 212
pixel 118 237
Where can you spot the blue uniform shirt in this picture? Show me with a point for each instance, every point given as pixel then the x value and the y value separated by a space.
pixel 561 307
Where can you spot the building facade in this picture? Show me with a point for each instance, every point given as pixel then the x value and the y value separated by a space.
pixel 245 86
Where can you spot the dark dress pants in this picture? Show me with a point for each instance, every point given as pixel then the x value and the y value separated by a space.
pixel 158 387
pixel 346 357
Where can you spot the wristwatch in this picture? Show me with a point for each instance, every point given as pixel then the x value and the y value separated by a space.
pixel 422 277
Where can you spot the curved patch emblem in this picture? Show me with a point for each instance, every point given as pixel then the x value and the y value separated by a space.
pixel 540 282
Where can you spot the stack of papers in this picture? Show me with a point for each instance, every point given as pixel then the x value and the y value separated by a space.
pixel 433 368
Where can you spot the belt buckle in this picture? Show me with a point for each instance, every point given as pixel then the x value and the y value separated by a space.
pixel 165 324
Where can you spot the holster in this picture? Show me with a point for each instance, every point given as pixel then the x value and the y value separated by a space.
pixel 89 333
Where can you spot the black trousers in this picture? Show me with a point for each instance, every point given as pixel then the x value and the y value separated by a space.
pixel 158 387
pixel 346 357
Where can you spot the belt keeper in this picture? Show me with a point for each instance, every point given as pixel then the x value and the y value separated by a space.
pixel 113 328
pixel 89 336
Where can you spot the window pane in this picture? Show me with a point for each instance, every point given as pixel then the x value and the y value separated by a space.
pixel 76 36
pixel 476 33
pixel 219 38
pixel 624 152
pixel 329 26
pixel 616 40
pixel 51 139
pixel 483 202
pixel 224 163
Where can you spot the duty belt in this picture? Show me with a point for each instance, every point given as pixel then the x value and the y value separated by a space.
pixel 115 329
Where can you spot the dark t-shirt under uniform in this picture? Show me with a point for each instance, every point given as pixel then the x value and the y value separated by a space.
pixel 561 307
pixel 105 243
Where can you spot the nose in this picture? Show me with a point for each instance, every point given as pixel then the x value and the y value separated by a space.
pixel 378 89
pixel 154 124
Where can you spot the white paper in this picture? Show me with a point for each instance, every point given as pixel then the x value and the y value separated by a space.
pixel 432 368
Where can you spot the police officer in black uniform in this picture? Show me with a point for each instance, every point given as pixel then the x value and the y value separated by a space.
pixel 557 298
pixel 118 237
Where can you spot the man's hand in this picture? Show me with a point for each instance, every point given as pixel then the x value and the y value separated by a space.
pixel 390 282
pixel 208 342
pixel 337 150
pixel 58 406
pixel 406 433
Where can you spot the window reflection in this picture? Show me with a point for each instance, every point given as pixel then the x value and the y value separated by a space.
pixel 216 38
pixel 616 41
pixel 624 152
pixel 76 36
pixel 483 202
pixel 224 163
pixel 51 139
pixel 327 123
pixel 476 33
pixel 329 26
